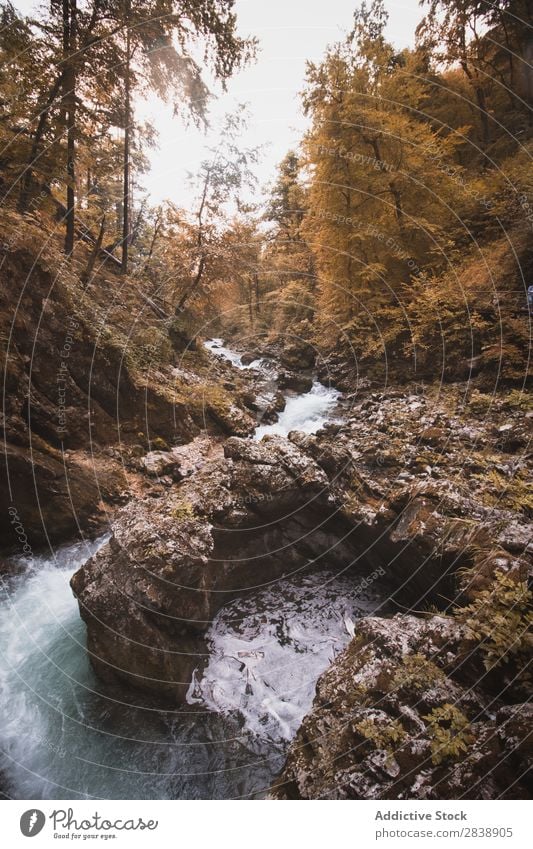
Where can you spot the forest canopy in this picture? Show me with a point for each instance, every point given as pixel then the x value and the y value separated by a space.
pixel 387 227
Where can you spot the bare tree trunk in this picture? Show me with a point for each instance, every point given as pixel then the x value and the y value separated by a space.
pixel 200 247
pixel 137 224
pixel 398 208
pixel 86 276
pixel 25 186
pixel 69 50
pixel 153 240
pixel 482 104
pixel 251 301
pixel 127 120
pixel 192 288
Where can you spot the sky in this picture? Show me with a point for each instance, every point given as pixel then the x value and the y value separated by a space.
pixel 289 32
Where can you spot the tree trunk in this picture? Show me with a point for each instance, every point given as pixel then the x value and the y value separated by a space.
pixel 481 101
pixel 398 208
pixel 134 231
pixel 482 104
pixel 157 227
pixel 94 253
pixel 200 247
pixel 127 119
pixel 25 186
pixel 69 51
pixel 251 301
pixel 192 288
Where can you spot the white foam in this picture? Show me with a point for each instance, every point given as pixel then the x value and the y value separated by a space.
pixel 306 413
pixel 61 738
pixel 266 656
pixel 217 347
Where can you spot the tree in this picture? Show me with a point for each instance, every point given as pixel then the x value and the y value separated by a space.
pixel 70 45
pixel 127 122
pixel 90 65
pixel 379 194
pixel 286 203
pixel 220 183
pixel 28 85
pixel 489 41
pixel 287 274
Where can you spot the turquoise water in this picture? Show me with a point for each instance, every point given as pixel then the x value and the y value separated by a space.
pixel 63 737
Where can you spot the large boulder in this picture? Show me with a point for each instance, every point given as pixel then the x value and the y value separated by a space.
pixel 295 382
pixel 393 720
pixel 51 494
pixel 298 355
pixel 149 595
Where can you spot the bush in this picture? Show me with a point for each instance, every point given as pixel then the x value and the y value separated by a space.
pixel 384 734
pixel 500 621
pixel 449 733
pixel 417 673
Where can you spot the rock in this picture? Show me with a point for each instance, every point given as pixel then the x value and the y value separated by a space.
pixel 232 420
pixel 513 437
pixel 51 494
pixel 391 721
pixel 334 458
pixel 70 393
pixel 296 382
pixel 436 436
pixel 149 595
pixel 297 355
pixel 247 359
pixel 265 402
pixel 159 463
pixel 409 710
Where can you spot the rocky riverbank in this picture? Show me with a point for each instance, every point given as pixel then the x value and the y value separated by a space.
pixel 427 488
pixel 422 489
pixel 435 706
pixel 407 712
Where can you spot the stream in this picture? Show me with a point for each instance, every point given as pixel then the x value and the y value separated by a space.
pixel 63 736
pixel 306 412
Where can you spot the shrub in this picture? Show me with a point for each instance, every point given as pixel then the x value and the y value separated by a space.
pixel 479 402
pixel 417 673
pixel 383 734
pixel 500 620
pixel 449 733
pixel 514 493
pixel 182 510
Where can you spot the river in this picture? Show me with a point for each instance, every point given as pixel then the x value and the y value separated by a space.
pixel 63 736
pixel 306 412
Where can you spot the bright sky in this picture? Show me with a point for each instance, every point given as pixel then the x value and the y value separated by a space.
pixel 289 32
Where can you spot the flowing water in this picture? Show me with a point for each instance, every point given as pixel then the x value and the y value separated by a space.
pixel 306 412
pixel 217 347
pixel 63 736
